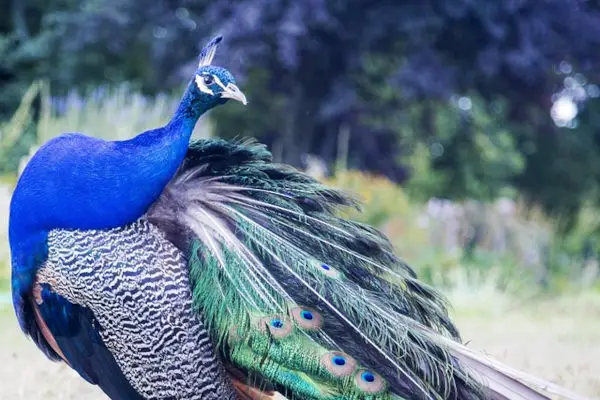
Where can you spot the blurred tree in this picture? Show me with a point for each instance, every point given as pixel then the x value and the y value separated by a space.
pixel 385 71
pixel 81 43
pixel 469 81
pixel 563 166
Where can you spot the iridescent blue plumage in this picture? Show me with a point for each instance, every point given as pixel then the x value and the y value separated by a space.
pixel 82 183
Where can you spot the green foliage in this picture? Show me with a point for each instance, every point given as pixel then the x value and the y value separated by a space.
pixel 563 167
pixel 16 134
pixel 76 44
pixel 478 153
pixel 4 248
pixel 381 199
pixel 4 265
pixel 468 151
pixel 236 120
pixel 441 239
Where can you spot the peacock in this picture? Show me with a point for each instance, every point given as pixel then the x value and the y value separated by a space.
pixel 159 268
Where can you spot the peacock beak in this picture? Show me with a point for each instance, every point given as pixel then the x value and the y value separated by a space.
pixel 231 91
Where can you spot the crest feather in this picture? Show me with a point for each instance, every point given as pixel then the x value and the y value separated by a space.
pixel 208 52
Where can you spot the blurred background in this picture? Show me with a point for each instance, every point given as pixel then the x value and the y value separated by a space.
pixel 469 129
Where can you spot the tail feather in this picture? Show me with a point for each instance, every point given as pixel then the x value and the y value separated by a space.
pixel 500 375
pixel 500 386
pixel 314 305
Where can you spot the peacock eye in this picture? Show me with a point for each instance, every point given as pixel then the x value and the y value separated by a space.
pixel 307 318
pixel 369 382
pixel 208 79
pixel 278 326
pixel 338 364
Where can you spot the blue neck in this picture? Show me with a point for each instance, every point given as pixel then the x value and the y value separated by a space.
pixel 176 134
pixel 178 131
pixel 78 182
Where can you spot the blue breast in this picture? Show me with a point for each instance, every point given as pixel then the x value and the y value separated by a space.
pixel 79 182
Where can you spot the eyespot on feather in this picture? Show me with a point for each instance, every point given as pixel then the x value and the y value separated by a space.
pixel 369 381
pixel 307 318
pixel 338 364
pixel 328 270
pixel 278 326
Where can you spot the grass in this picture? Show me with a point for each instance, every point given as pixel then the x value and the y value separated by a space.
pixel 26 374
pixel 554 338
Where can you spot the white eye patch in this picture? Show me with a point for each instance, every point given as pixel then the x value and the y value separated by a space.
pixel 218 82
pixel 202 86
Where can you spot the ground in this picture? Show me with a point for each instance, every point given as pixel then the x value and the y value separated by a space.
pixel 557 339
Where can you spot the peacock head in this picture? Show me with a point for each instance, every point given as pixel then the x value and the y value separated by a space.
pixel 216 85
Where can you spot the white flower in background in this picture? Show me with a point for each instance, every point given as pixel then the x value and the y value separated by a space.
pixel 315 166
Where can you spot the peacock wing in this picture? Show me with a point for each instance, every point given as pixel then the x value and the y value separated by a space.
pixel 116 305
pixel 72 331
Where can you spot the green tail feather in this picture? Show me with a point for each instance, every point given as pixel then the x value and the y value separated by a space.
pixel 301 300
